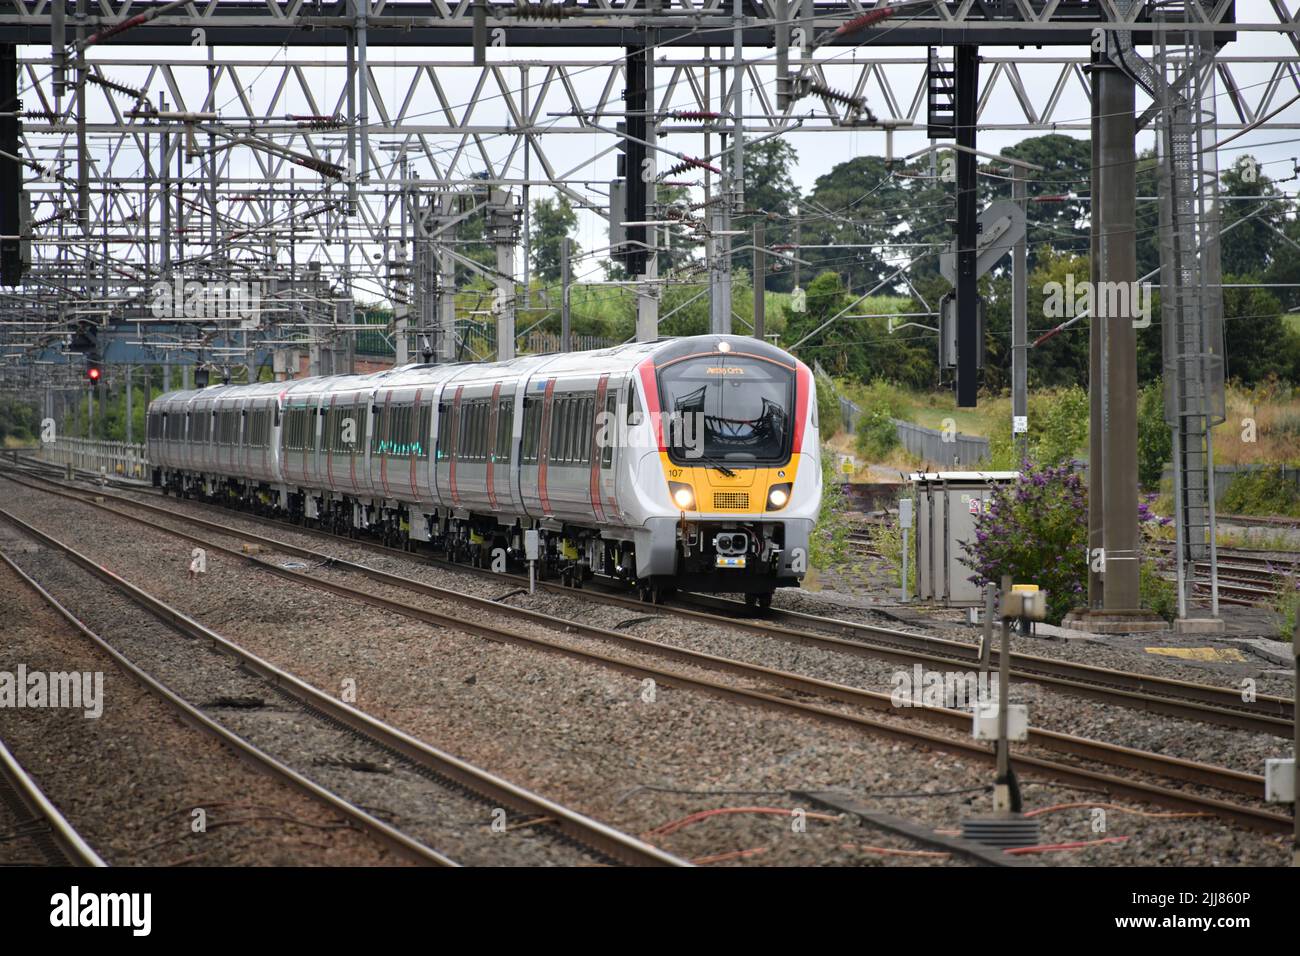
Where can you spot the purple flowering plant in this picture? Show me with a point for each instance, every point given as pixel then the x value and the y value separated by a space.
pixel 1036 530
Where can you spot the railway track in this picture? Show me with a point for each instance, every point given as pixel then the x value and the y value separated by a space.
pixel 1144 692
pixel 37 822
pixel 323 709
pixel 1157 765
pixel 1244 580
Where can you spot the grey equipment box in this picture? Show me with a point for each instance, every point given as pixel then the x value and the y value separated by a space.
pixel 946 505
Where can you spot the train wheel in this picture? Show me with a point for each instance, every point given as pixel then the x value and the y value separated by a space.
pixel 751 600
pixel 765 600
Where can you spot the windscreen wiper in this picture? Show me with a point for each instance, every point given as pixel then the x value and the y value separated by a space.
pixel 723 469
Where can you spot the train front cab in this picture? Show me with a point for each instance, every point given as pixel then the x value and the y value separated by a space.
pixel 739 458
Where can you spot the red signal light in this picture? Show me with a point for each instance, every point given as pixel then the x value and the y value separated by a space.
pixel 93 373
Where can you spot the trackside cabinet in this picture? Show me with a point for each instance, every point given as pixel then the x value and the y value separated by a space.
pixel 946 505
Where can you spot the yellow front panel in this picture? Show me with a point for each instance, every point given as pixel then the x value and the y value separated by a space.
pixel 743 493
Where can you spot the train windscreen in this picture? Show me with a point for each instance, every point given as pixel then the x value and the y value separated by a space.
pixel 727 408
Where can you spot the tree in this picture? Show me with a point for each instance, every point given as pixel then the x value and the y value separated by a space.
pixel 1256 339
pixel 552 221
pixel 770 196
pixel 856 204
pixel 1067 171
pixel 1249 228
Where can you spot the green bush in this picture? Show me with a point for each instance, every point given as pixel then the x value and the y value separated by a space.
pixel 1287 605
pixel 830 419
pixel 876 435
pixel 1155 441
pixel 887 539
pixel 1267 491
pixel 828 545
pixel 1157 592
pixel 1062 431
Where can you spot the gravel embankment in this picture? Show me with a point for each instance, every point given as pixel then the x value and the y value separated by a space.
pixel 587 736
pixel 131 779
pixel 441 817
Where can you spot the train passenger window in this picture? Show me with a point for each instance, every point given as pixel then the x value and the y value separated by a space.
pixel 531 429
pixel 422 435
pixel 505 423
pixel 633 406
pixel 444 433
pixel 570 445
pixel 571 428
pixel 588 427
pixel 557 446
pixel 404 436
pixel 465 444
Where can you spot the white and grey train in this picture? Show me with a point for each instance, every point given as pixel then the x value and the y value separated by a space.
pixel 690 462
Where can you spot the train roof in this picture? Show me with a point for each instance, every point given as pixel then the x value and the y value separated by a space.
pixel 620 358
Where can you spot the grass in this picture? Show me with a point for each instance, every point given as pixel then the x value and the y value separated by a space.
pixel 1275 439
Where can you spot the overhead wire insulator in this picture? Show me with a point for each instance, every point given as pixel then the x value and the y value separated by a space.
pixel 702 116
pixel 541 11
pixel 867 19
pixel 39 114
pixel 673 171
pixel 857 104
pixel 319 166
pixel 61 214
pixel 115 87
pixel 317 121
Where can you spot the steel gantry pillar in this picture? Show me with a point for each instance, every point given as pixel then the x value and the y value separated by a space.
pixel 1115 204
pixel 1114 550
pixel 969 346
pixel 644 264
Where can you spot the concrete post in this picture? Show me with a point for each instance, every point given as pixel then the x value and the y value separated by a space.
pixel 566 323
pixel 130 425
pixel 400 345
pixel 502 211
pixel 1096 376
pixel 1114 211
pixel 647 303
pixel 760 281
pixel 1019 325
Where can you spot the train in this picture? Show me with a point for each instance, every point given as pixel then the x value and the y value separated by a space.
pixel 686 463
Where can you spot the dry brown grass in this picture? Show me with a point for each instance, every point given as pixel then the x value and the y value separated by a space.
pixel 1275 409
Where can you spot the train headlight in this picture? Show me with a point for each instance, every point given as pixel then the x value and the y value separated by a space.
pixel 777 497
pixel 682 494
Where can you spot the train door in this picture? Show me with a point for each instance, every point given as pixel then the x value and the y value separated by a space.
pixel 501 445
pixel 605 437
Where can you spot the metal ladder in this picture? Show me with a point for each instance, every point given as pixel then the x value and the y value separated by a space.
pixel 1181 84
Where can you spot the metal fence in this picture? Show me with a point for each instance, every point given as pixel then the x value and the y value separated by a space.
pixel 1224 474
pixel 943 450
pixel 117 458
pixel 539 343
